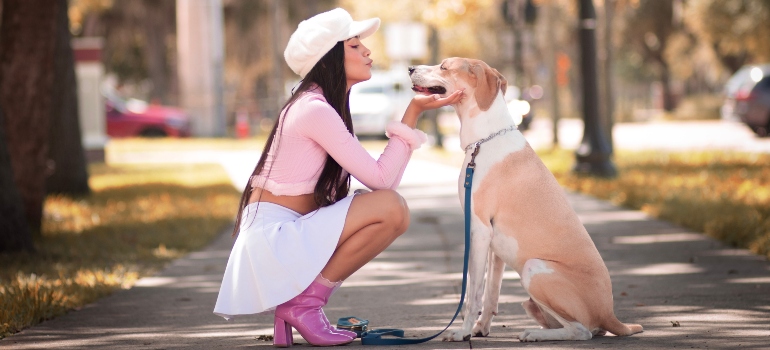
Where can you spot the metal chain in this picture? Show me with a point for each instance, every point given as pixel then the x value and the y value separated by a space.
pixel 491 136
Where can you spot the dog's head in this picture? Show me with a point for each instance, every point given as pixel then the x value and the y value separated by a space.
pixel 479 80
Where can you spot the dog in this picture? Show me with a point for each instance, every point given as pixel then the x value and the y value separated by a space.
pixel 520 217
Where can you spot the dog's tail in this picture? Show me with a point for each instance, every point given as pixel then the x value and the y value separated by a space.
pixel 614 326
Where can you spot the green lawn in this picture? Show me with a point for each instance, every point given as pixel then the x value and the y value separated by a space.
pixel 723 194
pixel 137 219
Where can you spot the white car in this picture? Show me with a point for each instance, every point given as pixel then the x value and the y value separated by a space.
pixel 377 101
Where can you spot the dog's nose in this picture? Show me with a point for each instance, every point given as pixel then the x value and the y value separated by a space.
pixel 411 70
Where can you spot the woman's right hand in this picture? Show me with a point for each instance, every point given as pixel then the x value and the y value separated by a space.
pixel 421 103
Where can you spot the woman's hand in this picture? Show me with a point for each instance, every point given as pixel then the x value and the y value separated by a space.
pixel 426 102
pixel 421 103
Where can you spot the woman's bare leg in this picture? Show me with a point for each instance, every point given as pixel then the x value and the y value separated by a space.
pixel 374 221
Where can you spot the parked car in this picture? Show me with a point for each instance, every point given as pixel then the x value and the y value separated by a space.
pixel 757 115
pixel 746 98
pixel 377 101
pixel 136 118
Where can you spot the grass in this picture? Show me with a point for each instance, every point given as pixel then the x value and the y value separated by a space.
pixel 723 194
pixel 137 219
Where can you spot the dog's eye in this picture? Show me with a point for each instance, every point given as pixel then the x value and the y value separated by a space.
pixel 442 67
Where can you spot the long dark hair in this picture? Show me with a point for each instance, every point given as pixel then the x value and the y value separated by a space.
pixel 329 74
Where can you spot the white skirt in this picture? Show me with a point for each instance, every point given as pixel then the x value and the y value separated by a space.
pixel 276 256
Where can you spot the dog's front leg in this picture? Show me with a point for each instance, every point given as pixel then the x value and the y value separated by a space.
pixel 495 271
pixel 481 236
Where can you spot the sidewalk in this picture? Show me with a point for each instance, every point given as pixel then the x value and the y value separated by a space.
pixel 661 274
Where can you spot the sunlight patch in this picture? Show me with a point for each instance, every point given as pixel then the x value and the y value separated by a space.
pixel 664 269
pixel 603 217
pixel 750 280
pixel 660 238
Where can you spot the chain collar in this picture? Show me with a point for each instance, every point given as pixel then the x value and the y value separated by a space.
pixel 491 136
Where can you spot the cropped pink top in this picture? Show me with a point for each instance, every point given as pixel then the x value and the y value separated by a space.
pixel 312 129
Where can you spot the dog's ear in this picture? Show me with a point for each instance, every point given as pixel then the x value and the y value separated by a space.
pixel 503 81
pixel 488 83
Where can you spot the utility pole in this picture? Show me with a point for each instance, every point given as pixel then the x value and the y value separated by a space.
pixel 609 96
pixel 200 55
pixel 593 155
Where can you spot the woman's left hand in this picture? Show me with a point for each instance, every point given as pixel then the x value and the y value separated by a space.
pixel 421 103
pixel 426 102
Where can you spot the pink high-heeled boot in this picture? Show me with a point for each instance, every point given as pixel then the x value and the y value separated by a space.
pixel 304 313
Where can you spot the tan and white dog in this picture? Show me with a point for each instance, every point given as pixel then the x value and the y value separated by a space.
pixel 520 217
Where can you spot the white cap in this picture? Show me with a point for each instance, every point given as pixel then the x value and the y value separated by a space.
pixel 317 35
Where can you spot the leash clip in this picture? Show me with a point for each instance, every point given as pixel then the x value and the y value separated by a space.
pixel 472 163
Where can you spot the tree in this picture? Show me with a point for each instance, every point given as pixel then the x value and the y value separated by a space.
pixel 137 37
pixel 67 163
pixel 159 24
pixel 27 47
pixel 648 30
pixel 737 30
pixel 14 234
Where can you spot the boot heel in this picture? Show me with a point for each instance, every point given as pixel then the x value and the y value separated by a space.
pixel 282 337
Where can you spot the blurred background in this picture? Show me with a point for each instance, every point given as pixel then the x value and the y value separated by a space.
pixel 221 61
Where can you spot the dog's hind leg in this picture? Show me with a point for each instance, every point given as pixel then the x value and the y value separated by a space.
pixel 569 331
pixel 481 237
pixel 544 319
pixel 549 292
pixel 495 269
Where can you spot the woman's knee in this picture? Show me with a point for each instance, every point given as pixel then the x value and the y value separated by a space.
pixel 395 211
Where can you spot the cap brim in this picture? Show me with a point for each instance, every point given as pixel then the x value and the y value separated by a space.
pixel 363 29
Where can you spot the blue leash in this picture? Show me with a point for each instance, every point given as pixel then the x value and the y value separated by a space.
pixel 374 337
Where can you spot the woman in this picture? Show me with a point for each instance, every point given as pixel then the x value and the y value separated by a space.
pixel 299 233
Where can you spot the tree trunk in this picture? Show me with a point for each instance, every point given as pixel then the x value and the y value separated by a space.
pixel 26 66
pixel 733 62
pixel 665 82
pixel 14 233
pixel 67 165
pixel 156 27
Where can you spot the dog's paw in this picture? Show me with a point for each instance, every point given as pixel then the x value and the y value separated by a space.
pixel 529 335
pixel 456 335
pixel 481 330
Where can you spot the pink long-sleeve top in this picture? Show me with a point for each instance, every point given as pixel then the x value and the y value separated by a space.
pixel 310 130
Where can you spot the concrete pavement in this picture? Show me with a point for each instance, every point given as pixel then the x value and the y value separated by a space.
pixel 662 274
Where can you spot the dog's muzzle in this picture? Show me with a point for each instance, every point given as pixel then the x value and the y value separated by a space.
pixel 429 90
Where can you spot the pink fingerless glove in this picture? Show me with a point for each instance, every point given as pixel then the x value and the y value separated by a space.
pixel 413 137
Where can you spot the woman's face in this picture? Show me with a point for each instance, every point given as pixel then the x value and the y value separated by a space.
pixel 358 65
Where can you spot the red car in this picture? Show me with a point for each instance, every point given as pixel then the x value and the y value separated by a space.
pixel 135 118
